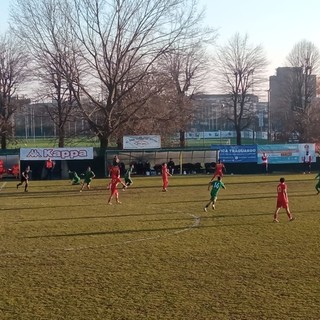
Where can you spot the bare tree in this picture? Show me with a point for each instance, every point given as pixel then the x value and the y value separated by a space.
pixel 239 67
pixel 44 28
pixel 122 42
pixel 182 72
pixel 13 62
pixel 187 65
pixel 312 130
pixel 300 89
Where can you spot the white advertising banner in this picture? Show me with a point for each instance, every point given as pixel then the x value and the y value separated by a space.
pixel 142 142
pixel 56 153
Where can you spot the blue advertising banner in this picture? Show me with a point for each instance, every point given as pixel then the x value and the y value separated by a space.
pixel 287 153
pixel 237 154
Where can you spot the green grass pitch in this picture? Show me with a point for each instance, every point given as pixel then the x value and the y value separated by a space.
pixel 69 255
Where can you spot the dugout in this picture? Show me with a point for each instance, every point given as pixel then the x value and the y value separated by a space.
pixel 148 162
pixel 9 163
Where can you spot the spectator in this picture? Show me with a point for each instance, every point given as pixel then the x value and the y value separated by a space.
pixel 49 165
pixel 171 166
pixel 306 159
pixel 264 159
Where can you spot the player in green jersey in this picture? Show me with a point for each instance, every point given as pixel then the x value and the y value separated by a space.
pixel 318 183
pixel 215 185
pixel 127 177
pixel 88 176
pixel 73 176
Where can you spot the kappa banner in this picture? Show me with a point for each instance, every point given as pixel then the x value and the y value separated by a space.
pixel 56 153
pixel 142 142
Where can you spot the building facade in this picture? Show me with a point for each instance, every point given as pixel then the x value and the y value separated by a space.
pixel 212 112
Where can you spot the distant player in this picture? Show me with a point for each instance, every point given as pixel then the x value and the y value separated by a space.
pixel 282 201
pixel 264 159
pixel 115 161
pixel 215 188
pixel 318 183
pixel 2 168
pixel 306 160
pixel 171 166
pixel 114 172
pixel 24 179
pixel 75 179
pixel 165 177
pixel 114 191
pixel 49 165
pixel 88 176
pixel 219 170
pixel 127 177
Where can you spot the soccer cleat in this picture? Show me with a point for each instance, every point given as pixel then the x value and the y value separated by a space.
pixel 275 220
pixel 205 209
pixel 17 186
pixel 213 207
pixel 291 219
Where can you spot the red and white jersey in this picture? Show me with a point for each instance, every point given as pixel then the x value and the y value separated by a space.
pixel 264 158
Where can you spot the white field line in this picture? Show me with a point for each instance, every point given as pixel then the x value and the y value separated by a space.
pixel 3 185
pixel 196 223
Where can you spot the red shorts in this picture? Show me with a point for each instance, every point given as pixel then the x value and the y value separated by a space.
pixel 282 204
pixel 114 192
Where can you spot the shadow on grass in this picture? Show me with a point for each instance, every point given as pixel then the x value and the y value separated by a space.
pixel 106 216
pixel 242 197
pixel 84 234
pixel 43 207
pixel 196 224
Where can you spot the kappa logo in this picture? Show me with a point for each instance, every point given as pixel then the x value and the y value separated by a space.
pixel 57 154
pixel 34 153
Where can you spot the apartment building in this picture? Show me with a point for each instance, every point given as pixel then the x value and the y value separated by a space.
pixel 211 113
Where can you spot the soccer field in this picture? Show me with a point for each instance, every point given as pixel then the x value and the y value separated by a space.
pixel 69 255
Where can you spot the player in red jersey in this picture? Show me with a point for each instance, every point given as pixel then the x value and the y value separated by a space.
pixel 282 201
pixel 165 177
pixel 114 191
pixel 219 170
pixel 114 172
